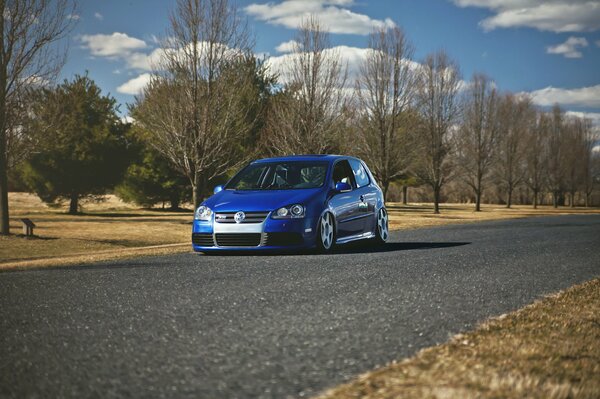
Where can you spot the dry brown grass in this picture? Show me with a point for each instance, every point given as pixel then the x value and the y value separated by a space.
pixel 105 229
pixel 550 349
pixel 114 229
pixel 421 215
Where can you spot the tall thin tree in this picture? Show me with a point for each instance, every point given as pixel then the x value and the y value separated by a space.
pixel 196 107
pixel 305 116
pixel 29 55
pixel 438 83
pixel 555 156
pixel 477 137
pixel 385 90
pixel 535 156
pixel 517 116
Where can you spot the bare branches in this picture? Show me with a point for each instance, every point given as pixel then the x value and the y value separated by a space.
pixel 29 56
pixel 385 90
pixel 476 139
pixel 305 114
pixel 517 118
pixel 199 104
pixel 438 85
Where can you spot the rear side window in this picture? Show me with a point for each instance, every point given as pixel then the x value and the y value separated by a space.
pixel 360 174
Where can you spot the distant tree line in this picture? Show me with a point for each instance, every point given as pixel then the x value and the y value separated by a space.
pixel 211 106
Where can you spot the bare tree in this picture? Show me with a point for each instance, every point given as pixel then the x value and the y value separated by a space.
pixel 385 90
pixel 477 137
pixel 535 156
pixel 574 148
pixel 556 155
pixel 517 117
pixel 304 116
pixel 438 83
pixel 195 107
pixel 29 55
pixel 590 158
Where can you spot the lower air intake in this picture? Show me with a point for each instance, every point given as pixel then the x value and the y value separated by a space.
pixel 238 239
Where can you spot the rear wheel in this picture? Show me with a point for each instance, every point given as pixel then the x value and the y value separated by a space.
pixel 326 236
pixel 382 234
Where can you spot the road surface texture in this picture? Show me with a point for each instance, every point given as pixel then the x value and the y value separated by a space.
pixel 274 326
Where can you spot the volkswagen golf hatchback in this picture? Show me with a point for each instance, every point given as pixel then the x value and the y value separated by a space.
pixel 309 201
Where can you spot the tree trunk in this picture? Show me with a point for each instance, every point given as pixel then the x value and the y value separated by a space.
pixel 386 187
pixel 196 190
pixel 509 197
pixel 535 199
pixel 572 204
pixel 174 200
pixel 4 222
pixel 405 195
pixel 4 225
pixel 74 204
pixel 436 200
pixel 555 199
pixel 478 201
pixel 587 200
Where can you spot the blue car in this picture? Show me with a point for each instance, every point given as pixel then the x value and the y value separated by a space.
pixel 295 202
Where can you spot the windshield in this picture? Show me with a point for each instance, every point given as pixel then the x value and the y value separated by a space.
pixel 279 176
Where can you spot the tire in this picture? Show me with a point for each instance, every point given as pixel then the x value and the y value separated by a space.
pixel 326 233
pixel 382 232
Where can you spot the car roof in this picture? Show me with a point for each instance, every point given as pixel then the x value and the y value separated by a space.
pixel 325 157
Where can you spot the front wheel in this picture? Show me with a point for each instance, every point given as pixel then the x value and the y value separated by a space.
pixel 326 230
pixel 382 233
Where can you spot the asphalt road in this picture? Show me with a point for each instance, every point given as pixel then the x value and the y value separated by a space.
pixel 274 326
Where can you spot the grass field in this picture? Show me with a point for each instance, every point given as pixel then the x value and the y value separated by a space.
pixel 105 230
pixel 547 350
pixel 113 229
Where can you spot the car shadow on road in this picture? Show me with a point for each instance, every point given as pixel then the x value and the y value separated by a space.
pixel 360 247
pixel 351 248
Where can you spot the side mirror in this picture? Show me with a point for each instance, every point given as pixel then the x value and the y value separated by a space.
pixel 218 189
pixel 342 187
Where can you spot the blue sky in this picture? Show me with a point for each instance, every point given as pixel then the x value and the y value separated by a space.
pixel 550 49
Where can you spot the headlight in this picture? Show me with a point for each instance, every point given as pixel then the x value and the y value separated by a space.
pixel 289 212
pixel 203 213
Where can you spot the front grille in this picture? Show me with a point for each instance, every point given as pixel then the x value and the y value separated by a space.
pixel 238 239
pixel 203 239
pixel 251 217
pixel 283 239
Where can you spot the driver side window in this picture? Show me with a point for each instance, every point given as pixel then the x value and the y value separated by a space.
pixel 342 173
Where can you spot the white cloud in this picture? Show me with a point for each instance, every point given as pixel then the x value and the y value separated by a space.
pixel 580 97
pixel 127 119
pixel 593 116
pixel 570 48
pixel 74 17
pixel 98 16
pixel 334 14
pixel 287 47
pixel 350 56
pixel 114 45
pixel 135 85
pixel 598 43
pixel 548 15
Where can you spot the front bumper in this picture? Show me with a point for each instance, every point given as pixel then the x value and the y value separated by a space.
pixel 271 234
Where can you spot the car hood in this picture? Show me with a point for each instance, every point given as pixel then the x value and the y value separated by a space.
pixel 263 200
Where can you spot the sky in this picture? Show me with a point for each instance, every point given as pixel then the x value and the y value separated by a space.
pixel 550 49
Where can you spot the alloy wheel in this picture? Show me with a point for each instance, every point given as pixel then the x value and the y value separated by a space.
pixel 327 231
pixel 382 225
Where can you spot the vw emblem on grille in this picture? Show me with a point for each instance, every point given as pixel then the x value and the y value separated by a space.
pixel 239 217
